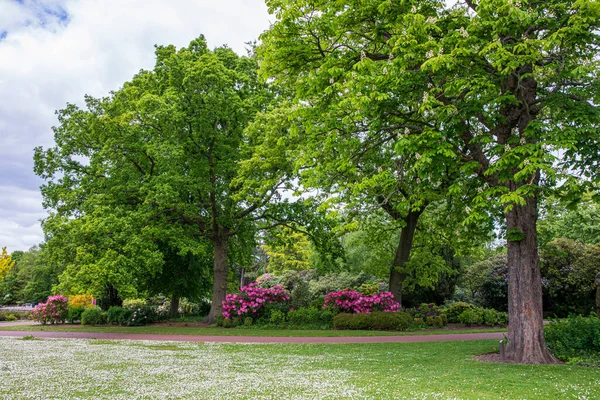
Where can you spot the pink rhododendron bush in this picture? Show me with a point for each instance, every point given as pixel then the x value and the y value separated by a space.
pixel 252 300
pixel 349 301
pixel 55 309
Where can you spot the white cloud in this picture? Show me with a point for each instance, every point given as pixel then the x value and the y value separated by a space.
pixel 55 51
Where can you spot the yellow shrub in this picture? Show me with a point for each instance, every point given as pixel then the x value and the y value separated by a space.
pixel 81 300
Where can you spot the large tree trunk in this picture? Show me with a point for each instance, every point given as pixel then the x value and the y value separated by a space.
pixel 403 253
pixel 526 343
pixel 174 306
pixel 220 243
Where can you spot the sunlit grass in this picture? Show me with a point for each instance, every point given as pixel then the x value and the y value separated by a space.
pixel 176 330
pixel 101 369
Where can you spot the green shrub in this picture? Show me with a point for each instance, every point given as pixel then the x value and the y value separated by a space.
pixel 390 321
pixel 11 317
pixel 143 315
pixel 502 318
pixel 455 310
pixel 115 315
pixel 74 314
pixel 248 321
pixel 301 296
pixel 342 321
pixel 490 317
pixel 133 303
pixel 318 302
pixel 310 318
pixel 419 322
pixel 438 322
pixel 470 317
pixel 93 316
pixel 574 339
pixel 360 321
pixel 277 317
pixel 444 319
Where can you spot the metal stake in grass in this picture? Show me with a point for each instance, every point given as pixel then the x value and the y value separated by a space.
pixel 502 351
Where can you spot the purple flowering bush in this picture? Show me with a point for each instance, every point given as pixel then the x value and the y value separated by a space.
pixel 55 309
pixel 352 302
pixel 253 300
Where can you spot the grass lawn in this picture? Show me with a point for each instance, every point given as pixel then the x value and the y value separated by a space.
pixel 93 369
pixel 177 330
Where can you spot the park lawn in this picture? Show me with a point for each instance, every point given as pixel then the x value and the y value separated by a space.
pixel 178 330
pixel 96 369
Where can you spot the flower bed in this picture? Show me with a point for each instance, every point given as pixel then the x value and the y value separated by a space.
pixel 252 300
pixel 352 302
pixel 54 310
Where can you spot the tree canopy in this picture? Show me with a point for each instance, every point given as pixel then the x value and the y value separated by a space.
pixel 150 176
pixel 508 89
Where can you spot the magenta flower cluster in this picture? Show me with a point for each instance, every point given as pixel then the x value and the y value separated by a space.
pixel 251 300
pixel 350 301
pixel 55 309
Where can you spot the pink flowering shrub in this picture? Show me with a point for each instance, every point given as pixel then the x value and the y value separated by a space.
pixel 55 309
pixel 349 301
pixel 251 300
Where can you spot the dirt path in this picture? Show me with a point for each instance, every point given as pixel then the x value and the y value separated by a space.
pixel 258 339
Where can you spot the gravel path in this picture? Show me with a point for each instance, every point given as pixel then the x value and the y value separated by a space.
pixel 258 339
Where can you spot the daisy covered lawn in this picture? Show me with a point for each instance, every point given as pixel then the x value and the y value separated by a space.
pixel 95 369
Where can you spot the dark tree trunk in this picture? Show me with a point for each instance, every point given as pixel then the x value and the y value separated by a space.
pixel 526 343
pixel 220 243
pixel 111 298
pixel 403 250
pixel 174 306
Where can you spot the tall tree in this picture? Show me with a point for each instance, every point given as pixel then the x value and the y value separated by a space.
pixel 6 263
pixel 354 116
pixel 161 166
pixel 509 87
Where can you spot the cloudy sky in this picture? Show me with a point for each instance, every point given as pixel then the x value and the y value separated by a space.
pixel 55 51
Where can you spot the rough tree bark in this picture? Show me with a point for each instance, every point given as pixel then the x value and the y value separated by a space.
pixel 220 243
pixel 403 250
pixel 526 343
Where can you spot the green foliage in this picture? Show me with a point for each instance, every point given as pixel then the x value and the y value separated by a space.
pixel 395 321
pixel 147 184
pixel 277 317
pixel 471 317
pixel 580 222
pixel 135 303
pixel 310 317
pixel 6 263
pixel 93 316
pixel 116 315
pixel 454 311
pixel 336 282
pixel 569 269
pixel 288 250
pixel 575 339
pixel 301 296
pixel 75 314
pixel 31 278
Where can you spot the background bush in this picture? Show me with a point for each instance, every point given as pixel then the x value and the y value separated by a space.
pixel 575 339
pixel 393 321
pixel 74 314
pixel 93 316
